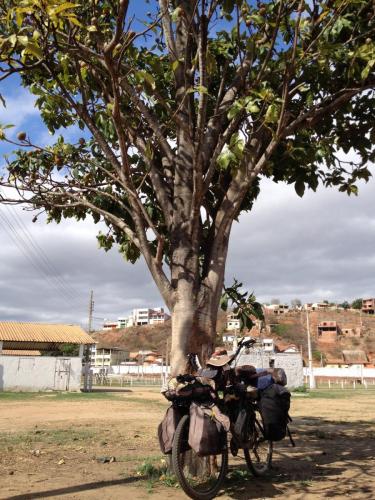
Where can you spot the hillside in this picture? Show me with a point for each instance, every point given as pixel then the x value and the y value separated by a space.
pixel 290 328
pixel 135 338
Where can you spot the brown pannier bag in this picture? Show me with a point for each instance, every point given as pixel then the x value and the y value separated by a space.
pixel 208 429
pixel 167 429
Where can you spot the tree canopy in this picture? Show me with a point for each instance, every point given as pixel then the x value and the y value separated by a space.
pixel 183 108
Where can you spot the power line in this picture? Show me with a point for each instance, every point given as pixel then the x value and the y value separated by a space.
pixel 27 251
pixel 42 257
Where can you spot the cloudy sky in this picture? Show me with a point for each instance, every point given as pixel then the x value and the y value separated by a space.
pixel 315 248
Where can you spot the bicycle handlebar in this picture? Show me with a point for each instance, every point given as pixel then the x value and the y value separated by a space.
pixel 242 343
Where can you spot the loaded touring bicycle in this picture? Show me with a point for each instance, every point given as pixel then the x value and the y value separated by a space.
pixel 220 409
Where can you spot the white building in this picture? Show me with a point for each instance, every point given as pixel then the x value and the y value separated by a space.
pixel 268 345
pixel 104 356
pixel 233 322
pixel 138 317
pixel 23 368
pixel 110 325
pixel 278 308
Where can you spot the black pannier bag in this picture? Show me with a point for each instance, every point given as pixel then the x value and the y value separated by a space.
pixel 167 428
pixel 242 428
pixel 274 407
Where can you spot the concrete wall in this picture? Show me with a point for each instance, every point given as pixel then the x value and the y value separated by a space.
pixel 40 373
pixel 291 362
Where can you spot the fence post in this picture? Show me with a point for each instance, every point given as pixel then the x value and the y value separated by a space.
pixel 342 384
pixel 329 384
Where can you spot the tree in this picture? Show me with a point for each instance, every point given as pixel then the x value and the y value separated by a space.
pixel 356 304
pixel 296 303
pixel 345 305
pixel 181 116
pixel 275 301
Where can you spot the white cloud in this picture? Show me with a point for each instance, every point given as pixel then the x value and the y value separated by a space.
pixel 20 107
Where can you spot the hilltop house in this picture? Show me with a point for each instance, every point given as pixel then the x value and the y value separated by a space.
pixel 368 306
pixel 328 331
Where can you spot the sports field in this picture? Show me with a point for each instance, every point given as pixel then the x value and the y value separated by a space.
pixel 54 445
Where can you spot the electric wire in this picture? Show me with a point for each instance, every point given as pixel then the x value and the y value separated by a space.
pixel 42 256
pixel 26 250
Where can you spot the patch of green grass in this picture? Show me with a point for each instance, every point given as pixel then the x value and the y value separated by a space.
pixel 148 402
pixel 301 389
pixel 55 396
pixel 156 472
pixel 40 436
pixel 239 474
pixel 305 482
pixel 340 393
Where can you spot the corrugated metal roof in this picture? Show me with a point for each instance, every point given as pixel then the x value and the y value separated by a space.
pixel 40 332
pixel 20 352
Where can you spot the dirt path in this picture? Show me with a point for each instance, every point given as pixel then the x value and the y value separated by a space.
pixel 50 449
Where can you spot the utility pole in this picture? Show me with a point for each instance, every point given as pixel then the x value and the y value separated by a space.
pixel 91 310
pixel 311 373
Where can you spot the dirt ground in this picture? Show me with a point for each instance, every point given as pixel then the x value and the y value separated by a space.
pixel 53 446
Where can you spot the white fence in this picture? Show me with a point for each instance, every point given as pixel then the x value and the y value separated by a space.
pixel 357 372
pixel 136 370
pixel 40 373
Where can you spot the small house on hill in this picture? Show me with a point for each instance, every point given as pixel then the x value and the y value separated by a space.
pixel 334 360
pixel 328 331
pixel 32 358
pixel 355 358
pixel 368 306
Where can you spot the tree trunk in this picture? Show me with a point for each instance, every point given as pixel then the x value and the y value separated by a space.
pixel 193 329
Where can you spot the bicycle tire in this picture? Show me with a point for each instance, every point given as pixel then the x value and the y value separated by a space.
pixel 259 466
pixel 178 456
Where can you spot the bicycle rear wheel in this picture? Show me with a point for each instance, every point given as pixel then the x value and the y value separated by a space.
pixel 199 477
pixel 259 456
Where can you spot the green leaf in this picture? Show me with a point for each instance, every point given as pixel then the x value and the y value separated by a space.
pixel 64 6
pixel 251 107
pixel 175 64
pixel 272 114
pixel 176 14
pixel 299 186
pixel 33 49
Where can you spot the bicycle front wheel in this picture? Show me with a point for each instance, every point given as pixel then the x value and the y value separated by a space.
pixel 259 455
pixel 199 477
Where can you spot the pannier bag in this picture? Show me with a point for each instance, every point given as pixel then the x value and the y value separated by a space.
pixel 167 428
pixel 197 387
pixel 263 381
pixel 279 376
pixel 274 406
pixel 242 428
pixel 208 429
pixel 246 374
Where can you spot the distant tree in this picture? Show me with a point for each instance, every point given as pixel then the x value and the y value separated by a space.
pixel 275 301
pixel 295 303
pixel 356 304
pixel 183 110
pixel 344 305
